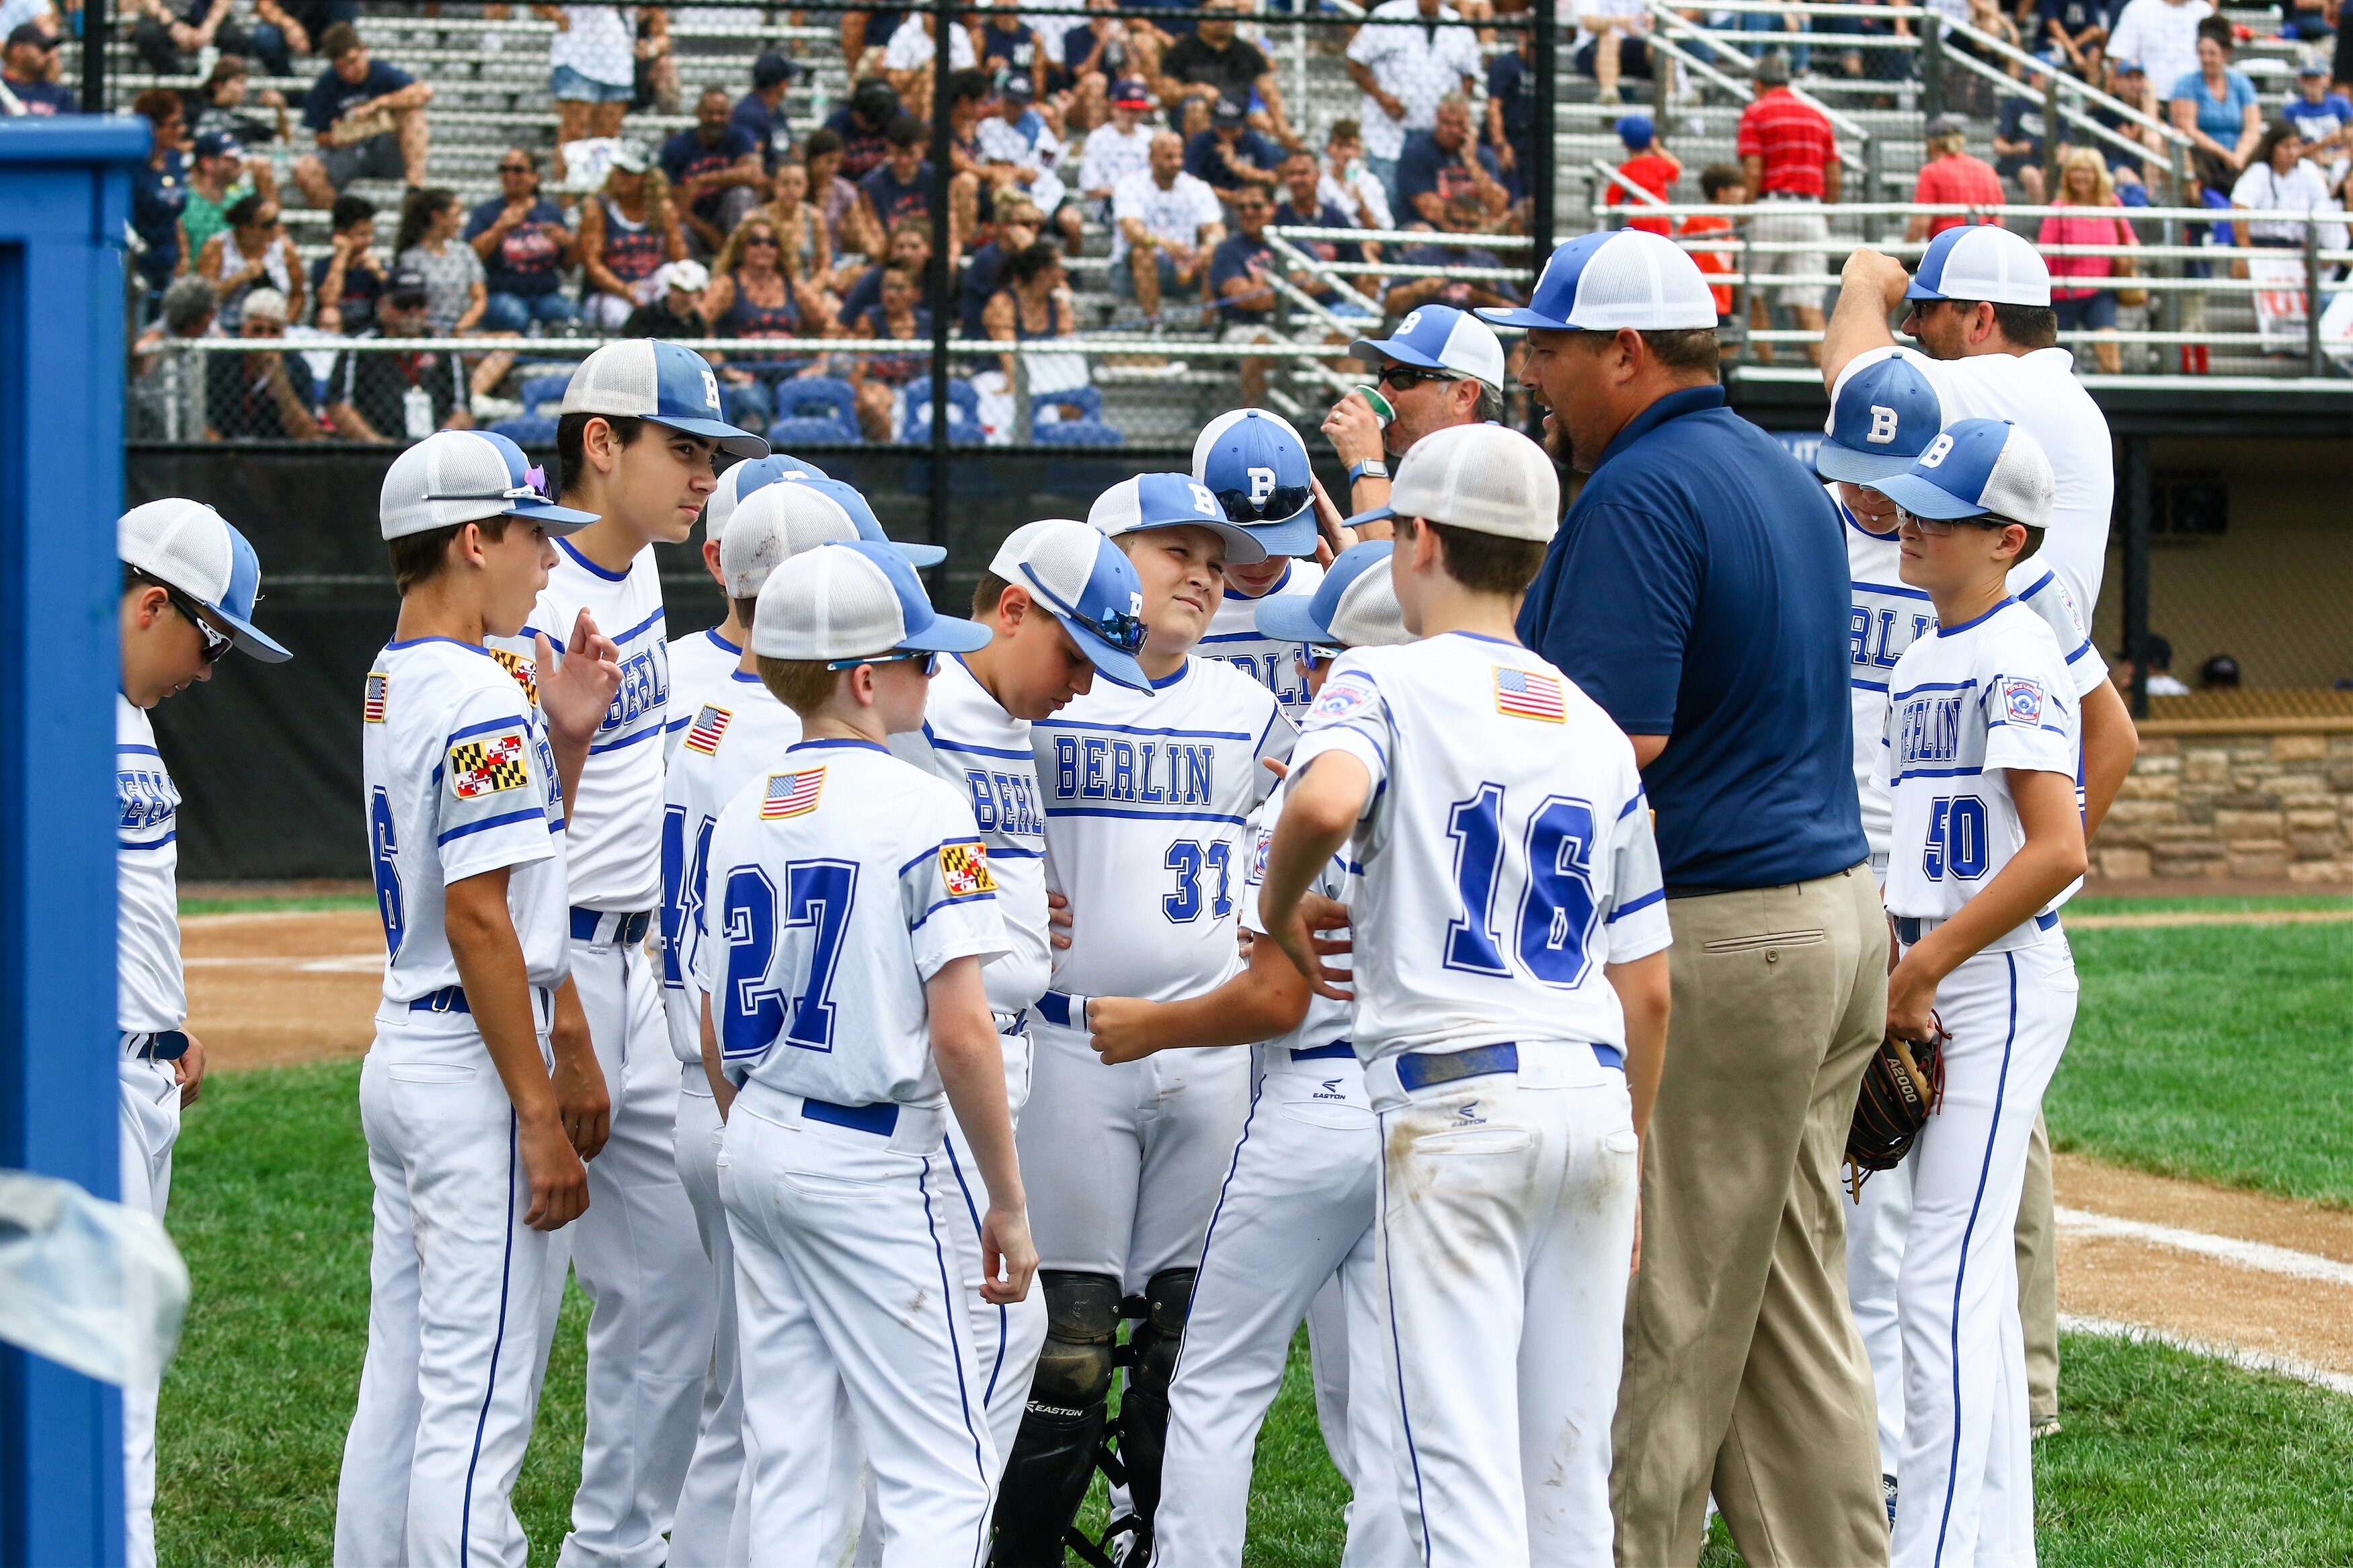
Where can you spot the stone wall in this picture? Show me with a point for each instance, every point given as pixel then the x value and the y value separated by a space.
pixel 2233 805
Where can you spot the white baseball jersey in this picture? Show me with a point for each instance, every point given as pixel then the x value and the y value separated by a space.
pixel 1147 794
pixel 151 988
pixel 735 732
pixel 1965 704
pixel 972 742
pixel 1888 615
pixel 841 883
pixel 1234 637
pixel 1327 1021
pixel 1505 846
pixel 700 668
pixel 615 842
pixel 461 780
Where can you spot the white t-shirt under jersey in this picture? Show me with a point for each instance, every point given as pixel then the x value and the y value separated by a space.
pixel 151 988
pixel 460 779
pixel 616 836
pixel 1148 795
pixel 976 746
pixel 732 734
pixel 1234 637
pixel 700 667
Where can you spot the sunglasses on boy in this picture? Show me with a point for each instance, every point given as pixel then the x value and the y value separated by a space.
pixel 216 643
pixel 930 660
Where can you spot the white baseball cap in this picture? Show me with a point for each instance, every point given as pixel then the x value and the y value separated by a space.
pixel 1355 605
pixel 1975 468
pixel 190 546
pixel 772 526
pixel 870 527
pixel 1088 584
pixel 463 476
pixel 1440 337
pixel 1489 479
pixel 1616 279
pixel 1172 501
pixel 645 378
pixel 742 479
pixel 1983 261
pixel 690 276
pixel 854 600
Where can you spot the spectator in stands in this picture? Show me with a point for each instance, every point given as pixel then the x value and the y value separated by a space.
pixel 2160 37
pixel 1010 51
pixel 158 378
pixel 1096 57
pixel 626 235
pixel 1118 151
pixel 1445 161
pixel 2220 673
pixel 1721 186
pixel 799 224
pixel 14 13
pixel 427 243
pixel 24 73
pixel 1230 157
pixel 1611 41
pixel 1349 182
pixel 901 187
pixel 880 378
pixel 1788 158
pixel 654 75
pixel 2092 215
pixel 220 106
pixel 1511 111
pixel 760 111
pixel 1214 64
pixel 2130 86
pixel 863 126
pixel 170 33
pixel 2018 142
pixel 591 69
pixel 865 38
pixel 2324 116
pixel 252 252
pixel 525 249
pixel 1239 271
pixel 217 181
pixel 2157 662
pixel 2215 106
pixel 1649 167
pixel 715 172
pixel 1166 223
pixel 1019 222
pixel 349 280
pixel 158 192
pixel 289 27
pixel 373 397
pixel 1408 294
pixel 910 245
pixel 1023 156
pixel 676 308
pixel 1952 177
pixel 2280 179
pixel 971 190
pixel 907 63
pixel 1032 301
pixel 367 118
pixel 2071 26
pixel 263 394
pixel 1304 206
pixel 1403 63
pixel 835 198
pixel 758 291
pixel 1857 63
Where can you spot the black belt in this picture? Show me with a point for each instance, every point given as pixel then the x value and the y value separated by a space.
pixel 881 1119
pixel 628 932
pixel 162 1046
pixel 1909 929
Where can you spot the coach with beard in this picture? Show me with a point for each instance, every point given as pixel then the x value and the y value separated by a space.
pixel 1697 590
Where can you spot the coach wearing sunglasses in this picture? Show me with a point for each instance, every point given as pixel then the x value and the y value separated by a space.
pixel 1442 367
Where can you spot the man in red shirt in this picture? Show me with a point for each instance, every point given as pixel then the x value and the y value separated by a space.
pixel 1788 155
pixel 1651 166
pixel 1953 177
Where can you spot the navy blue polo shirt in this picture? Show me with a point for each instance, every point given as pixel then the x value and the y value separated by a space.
pixel 1698 590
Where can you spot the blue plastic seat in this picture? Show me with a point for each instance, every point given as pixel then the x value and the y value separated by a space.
pixel 1076 433
pixel 1088 400
pixel 527 430
pixel 805 430
pixel 817 396
pixel 544 389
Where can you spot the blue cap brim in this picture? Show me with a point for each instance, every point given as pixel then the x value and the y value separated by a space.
pixel 732 441
pixel 1290 618
pixel 948 634
pixel 1242 547
pixel 1854 467
pixel 1922 498
pixel 1372 351
pixel 1113 664
pixel 1920 290
pixel 1378 514
pixel 921 555
pixel 556 520
pixel 1293 536
pixel 251 640
pixel 1520 316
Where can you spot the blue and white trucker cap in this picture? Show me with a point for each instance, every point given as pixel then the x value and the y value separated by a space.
pixel 774 524
pixel 1984 261
pixel 191 547
pixel 1172 501
pixel 645 378
pixel 1884 417
pixel 742 479
pixel 1980 465
pixel 853 600
pixel 1355 605
pixel 1440 337
pixel 463 476
pixel 870 527
pixel 1089 585
pixel 1612 280
pixel 1255 464
pixel 1489 479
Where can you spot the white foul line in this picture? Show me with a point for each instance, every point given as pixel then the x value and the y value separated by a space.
pixel 2257 1255
pixel 2238 1355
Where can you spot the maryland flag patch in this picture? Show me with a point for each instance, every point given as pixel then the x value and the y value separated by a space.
pixel 488 766
pixel 525 673
pixel 371 705
pixel 964 869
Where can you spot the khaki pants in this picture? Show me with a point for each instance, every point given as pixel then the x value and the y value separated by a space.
pixel 2038 1283
pixel 1743 1373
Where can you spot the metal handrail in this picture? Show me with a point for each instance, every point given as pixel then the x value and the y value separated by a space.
pixel 2079 88
pixel 1664 14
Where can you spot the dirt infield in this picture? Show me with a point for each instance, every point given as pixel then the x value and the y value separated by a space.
pixel 272 988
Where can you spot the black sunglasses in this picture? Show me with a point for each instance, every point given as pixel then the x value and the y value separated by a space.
pixel 215 643
pixel 1281 503
pixel 930 660
pixel 1402 377
pixel 1122 630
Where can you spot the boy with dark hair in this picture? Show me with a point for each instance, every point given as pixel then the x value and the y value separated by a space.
pixel 1720 185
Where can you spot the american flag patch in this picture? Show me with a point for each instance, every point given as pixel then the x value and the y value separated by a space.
pixel 1529 694
pixel 710 724
pixel 791 794
pixel 372 707
pixel 525 673
pixel 964 867
pixel 477 768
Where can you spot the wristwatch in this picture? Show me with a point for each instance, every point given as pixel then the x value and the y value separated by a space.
pixel 1370 469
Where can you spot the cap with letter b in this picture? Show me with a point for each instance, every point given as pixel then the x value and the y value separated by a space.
pixel 1977 468
pixel 1616 279
pixel 463 476
pixel 191 548
pixel 1088 585
pixel 1883 416
pixel 1439 337
pixel 1172 501
pixel 854 600
pixel 1983 261
pixel 1255 464
pixel 1488 479
pixel 1355 605
pixel 645 378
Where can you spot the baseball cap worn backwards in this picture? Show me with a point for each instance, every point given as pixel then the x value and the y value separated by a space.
pixel 1487 479
pixel 1087 584
pixel 1172 501
pixel 1984 261
pixel 463 476
pixel 1255 464
pixel 1884 416
pixel 1355 605
pixel 191 547
pixel 646 378
pixel 1978 466
pixel 1439 337
pixel 1616 279
pixel 740 479
pixel 773 525
pixel 854 600
pixel 870 527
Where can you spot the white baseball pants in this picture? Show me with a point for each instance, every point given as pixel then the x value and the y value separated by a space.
pixel 151 1126
pixel 455 1339
pixel 653 1316
pixel 1005 1339
pixel 1507 1209
pixel 706 1502
pixel 1968 1474
pixel 845 1280
pixel 1122 1164
pixel 1875 1261
pixel 1295 1219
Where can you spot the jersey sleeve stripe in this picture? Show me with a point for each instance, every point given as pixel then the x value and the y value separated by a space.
pixel 142 750
pixel 1626 810
pixel 1969 685
pixel 1357 730
pixel 629 740
pixel 953 900
pixel 1632 906
pixel 922 855
pixel 527 814
pixel 484 727
pixel 1867 685
pixel 640 626
pixel 149 843
pixel 939 745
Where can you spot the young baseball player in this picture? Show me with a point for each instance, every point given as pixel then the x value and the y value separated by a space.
pixel 1980 756
pixel 1257 466
pixel 1145 796
pixel 701 664
pixel 475 1150
pixel 638 429
pixel 1294 1223
pixel 1059 601
pixel 1510 1009
pixel 849 911
pixel 189 585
